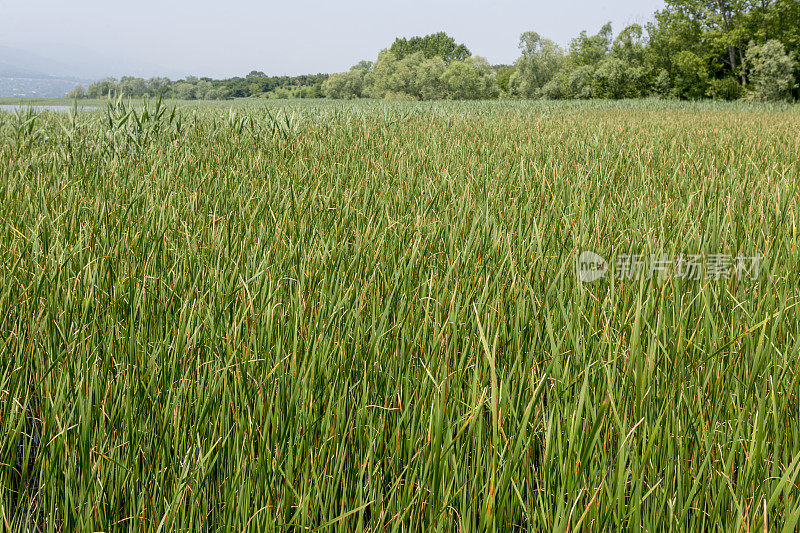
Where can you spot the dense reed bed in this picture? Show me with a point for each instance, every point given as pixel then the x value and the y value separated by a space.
pixel 367 317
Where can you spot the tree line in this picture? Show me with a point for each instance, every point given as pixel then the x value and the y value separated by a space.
pixel 692 49
pixel 255 84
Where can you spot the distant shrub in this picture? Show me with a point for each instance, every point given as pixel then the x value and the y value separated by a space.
pixel 662 87
pixel 347 85
pixel 771 71
pixel 611 78
pixel 472 79
pixel 77 93
pixel 557 88
pixel 725 89
pixel 580 82
pixel 690 79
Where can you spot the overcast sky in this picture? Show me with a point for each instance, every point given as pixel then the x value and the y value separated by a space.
pixel 226 38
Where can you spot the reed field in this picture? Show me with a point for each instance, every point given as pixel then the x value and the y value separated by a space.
pixel 275 316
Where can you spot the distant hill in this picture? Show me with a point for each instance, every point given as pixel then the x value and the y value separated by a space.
pixel 35 86
pixel 28 75
pixel 52 71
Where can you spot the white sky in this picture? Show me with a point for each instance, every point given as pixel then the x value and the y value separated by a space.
pixel 226 38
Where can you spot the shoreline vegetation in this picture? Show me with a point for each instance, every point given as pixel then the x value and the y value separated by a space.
pixel 646 103
pixel 690 50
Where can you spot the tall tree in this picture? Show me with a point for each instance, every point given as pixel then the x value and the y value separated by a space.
pixel 722 25
pixel 540 61
pixel 773 71
pixel 590 49
pixel 434 45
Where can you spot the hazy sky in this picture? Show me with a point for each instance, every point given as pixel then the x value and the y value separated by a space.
pixel 225 38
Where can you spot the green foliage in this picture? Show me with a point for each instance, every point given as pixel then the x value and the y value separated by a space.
pixel 348 85
pixel 472 79
pixel 419 78
pixel 690 80
pixel 184 90
pixel 772 71
pixel 612 79
pixel 597 66
pixel 392 96
pixel 434 45
pixel 77 93
pixel 676 54
pixel 581 82
pixel 721 23
pixel 504 74
pixel 105 88
pixel 430 78
pixel 725 89
pixel 256 84
pixel 630 46
pixel 558 87
pixel 590 50
pixel 693 49
pixel 540 61
pixel 662 87
pixel 394 75
pixel 710 37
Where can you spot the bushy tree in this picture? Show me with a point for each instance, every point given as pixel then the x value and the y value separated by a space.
pixel 676 47
pixel 344 85
pixel 77 93
pixel 772 71
pixel 434 45
pixel 184 90
pixel 430 75
pixel 420 78
pixel 217 93
pixel 630 47
pixel 716 33
pixel 611 79
pixel 727 88
pixel 558 87
pixel 504 73
pixel 690 79
pixel 158 85
pixel 130 86
pixel 472 79
pixel 106 87
pixel 393 75
pixel 204 90
pixel 590 50
pixel 718 22
pixel 540 61
pixel 581 82
pixel 662 87
pixel 347 85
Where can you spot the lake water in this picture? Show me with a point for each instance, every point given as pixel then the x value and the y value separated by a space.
pixel 53 108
